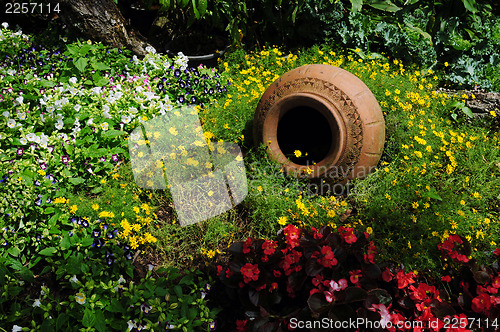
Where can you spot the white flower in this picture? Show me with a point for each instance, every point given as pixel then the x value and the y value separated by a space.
pixel 6 114
pixel 20 99
pixel 59 125
pixel 23 141
pixel 80 298
pixel 121 280
pixel 135 59
pixel 96 90
pixel 130 324
pixel 73 80
pixel 104 126
pixel 74 279
pixel 11 72
pixel 21 115
pixel 90 121
pixel 15 328
pixel 37 139
pixel 106 115
pixel 150 49
pixel 105 108
pixel 36 303
pixel 5 25
pixel 126 118
pixel 11 123
pixel 133 110
pixel 77 107
pixel 31 137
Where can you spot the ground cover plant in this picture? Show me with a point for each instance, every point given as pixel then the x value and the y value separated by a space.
pixel 82 243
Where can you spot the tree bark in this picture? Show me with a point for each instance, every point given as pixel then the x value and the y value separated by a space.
pixel 101 20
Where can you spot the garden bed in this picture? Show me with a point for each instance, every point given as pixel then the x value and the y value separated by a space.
pixel 84 247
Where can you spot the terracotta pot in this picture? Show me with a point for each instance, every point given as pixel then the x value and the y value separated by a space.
pixel 326 113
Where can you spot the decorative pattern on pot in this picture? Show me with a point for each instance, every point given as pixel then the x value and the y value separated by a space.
pixel 320 121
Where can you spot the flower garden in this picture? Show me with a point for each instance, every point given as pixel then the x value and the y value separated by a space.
pixel 413 247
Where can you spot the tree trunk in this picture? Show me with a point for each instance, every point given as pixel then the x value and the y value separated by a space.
pixel 101 20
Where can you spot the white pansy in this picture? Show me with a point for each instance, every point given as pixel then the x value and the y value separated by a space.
pixel 16 328
pixel 104 126
pixel 23 141
pixel 90 121
pixel 77 107
pixel 118 95
pixel 74 279
pixel 36 303
pixel 11 72
pixel 37 139
pixel 133 110
pixel 73 80
pixel 6 114
pixel 59 125
pixel 105 108
pixel 135 136
pixel 135 59
pixel 106 115
pixel 11 123
pixel 21 115
pixel 5 25
pixel 96 90
pixel 126 118
pixel 31 137
pixel 20 99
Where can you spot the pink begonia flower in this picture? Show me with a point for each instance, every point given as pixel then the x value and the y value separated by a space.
pixel 384 314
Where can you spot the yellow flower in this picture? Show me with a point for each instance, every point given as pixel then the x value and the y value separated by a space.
pixel 446 64
pixel 103 181
pixel 493 114
pixel 210 253
pixel 41 172
pixel 397 91
pixel 415 205
pixel 369 230
pixel 388 196
pixel 259 188
pixel 173 131
pixel 297 153
pixel 462 202
pixel 95 206
pixel 115 176
pixel 136 209
pixel 149 238
pixel 73 209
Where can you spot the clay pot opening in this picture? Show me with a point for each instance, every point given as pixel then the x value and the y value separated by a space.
pixel 305 129
pixel 305 122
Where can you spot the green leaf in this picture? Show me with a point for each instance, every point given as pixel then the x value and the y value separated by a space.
pixel 26 274
pixel 432 194
pixel 420 31
pixel 202 7
pixel 50 251
pixel 178 290
pixel 76 181
pixel 48 210
pixel 80 64
pixel 470 5
pixel 87 242
pixel 100 66
pixel 115 306
pixel 467 111
pixel 113 133
pixel 46 83
pixel 62 319
pixel 73 49
pixel 100 323
pixel 384 5
pixel 356 5
pixel 89 318
pixel 195 10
